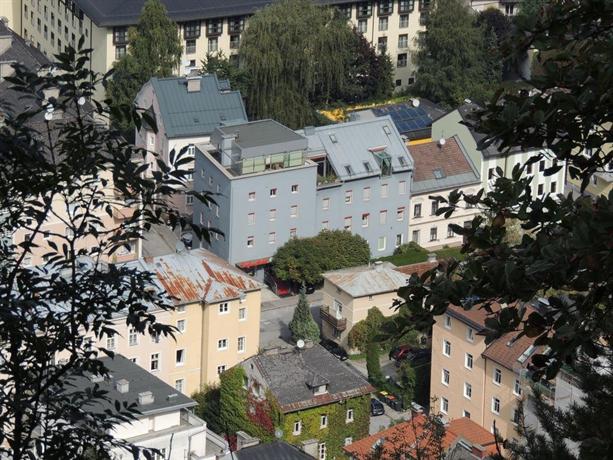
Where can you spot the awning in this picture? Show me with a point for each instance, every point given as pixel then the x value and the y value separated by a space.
pixel 254 263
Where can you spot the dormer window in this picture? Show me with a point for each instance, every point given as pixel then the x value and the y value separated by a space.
pixel 320 389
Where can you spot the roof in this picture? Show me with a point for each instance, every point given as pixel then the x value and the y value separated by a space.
pixel 198 275
pixel 353 144
pixel 260 133
pixel 416 269
pixel 277 449
pixel 368 279
pixel 441 166
pixel 165 397
pixel 402 438
pixel 196 113
pixel 290 374
pixel 126 12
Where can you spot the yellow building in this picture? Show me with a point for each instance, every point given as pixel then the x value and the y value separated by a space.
pixel 217 316
pixel 475 380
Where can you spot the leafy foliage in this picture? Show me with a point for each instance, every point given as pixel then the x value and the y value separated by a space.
pixel 218 63
pixel 408 380
pixel 366 330
pixel 71 171
pixel 494 20
pixel 208 408
pixel 233 401
pixel 154 50
pixel 302 325
pixel 373 363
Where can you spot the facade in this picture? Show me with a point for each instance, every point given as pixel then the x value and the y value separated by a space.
pixel 324 403
pixel 166 421
pixel 487 160
pixel 275 184
pixel 391 26
pixel 186 111
pixel 349 294
pixel 217 316
pixel 440 167
pixel 508 7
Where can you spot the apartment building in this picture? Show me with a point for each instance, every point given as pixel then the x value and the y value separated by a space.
pixel 349 294
pixel 165 420
pixel 186 110
pixel 275 184
pixel 392 26
pixel 508 7
pixel 475 380
pixel 440 167
pixel 217 316
pixel 487 160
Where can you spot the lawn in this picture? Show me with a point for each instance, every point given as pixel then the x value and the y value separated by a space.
pixel 421 255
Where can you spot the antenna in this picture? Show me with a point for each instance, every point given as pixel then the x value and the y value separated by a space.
pixel 300 343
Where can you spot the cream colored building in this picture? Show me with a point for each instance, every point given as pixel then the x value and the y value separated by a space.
pixel 349 294
pixel 392 26
pixel 475 380
pixel 217 316
pixel 440 167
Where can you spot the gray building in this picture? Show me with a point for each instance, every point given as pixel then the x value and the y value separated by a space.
pixel 274 184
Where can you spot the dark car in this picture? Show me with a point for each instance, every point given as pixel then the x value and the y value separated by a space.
pixel 376 407
pixel 334 348
pixel 415 356
pixel 400 352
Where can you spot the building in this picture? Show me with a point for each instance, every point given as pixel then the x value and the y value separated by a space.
pixel 277 449
pixel 217 316
pixel 487 160
pixel 349 294
pixel 508 7
pixel 165 420
pixel 324 403
pixel 440 167
pixel 186 111
pixel 463 440
pixel 475 380
pixel 390 26
pixel 275 184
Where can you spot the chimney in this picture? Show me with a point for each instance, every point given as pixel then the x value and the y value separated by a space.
pixel 378 265
pixel 244 440
pixel 193 83
pixel 96 378
pixel 145 398
pixel 122 386
pixel 53 92
pixel 432 257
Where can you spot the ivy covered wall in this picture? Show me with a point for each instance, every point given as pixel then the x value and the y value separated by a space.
pixel 337 428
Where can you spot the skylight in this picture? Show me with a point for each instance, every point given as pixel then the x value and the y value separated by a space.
pixel 524 356
pixel 367 166
pixel 387 130
pixel 403 161
pixel 349 170
pixel 438 173
pixel 333 138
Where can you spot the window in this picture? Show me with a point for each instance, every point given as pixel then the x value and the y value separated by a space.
pixel 450 232
pixel 345 11
pixel 348 196
pixel 364 10
pixel 179 385
pixel 189 200
pixel 468 390
pixel 402 61
pixel 293 211
pixel 214 27
pixel 348 440
pixel 541 189
pixel 224 308
pixel 180 357
pixel 365 220
pixel 190 46
pixel 362 26
pixel 542 165
pixel 235 42
pixel 385 7
pixel 516 416
pixel 272 215
pixel 470 334
pixel 404 21
pixel 417 210
pixel 120 50
pixel 446 348
pixel 221 369
pixel 132 337
pixel 154 363
pixel 110 343
pixel 496 405
pixel 468 361
pixel 181 325
pixel 447 322
pixel 517 388
pixel 241 344
pixel 497 376
pixel 295 188
pixel 155 338
pixel 273 192
pixel 323 421
pixel 384 190
pixel 383 24
pixel 272 238
pixel 236 25
pixel 382 45
pixel 415 236
pixel 406 6
pixel 399 239
pixel 366 194
pixel 251 218
pixel 297 428
pixel 445 377
pixel 529 168
pixel 222 344
pixel 213 44
pixel 444 405
pixel 466 414
pixel 325 225
pixel 250 241
pixel 367 167
pixel 382 217
pixel 381 243
pixel 325 203
pixel 322 450
pixel 292 233
pixel 242 314
pixel 349 416
pixel 251 196
pixel 402 187
pixel 347 223
pixel 120 35
pixel 400 214
pixel 433 234
pixel 191 29
pixel 552 187
pixel 434 208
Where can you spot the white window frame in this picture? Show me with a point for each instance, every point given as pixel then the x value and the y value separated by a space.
pixel 294 188
pixel 444 405
pixel 272 237
pixel 381 239
pixel 469 357
pixel 223 308
pixel 447 322
pixel 384 191
pixel 468 390
pixel 323 421
pixel 251 196
pixel 221 369
pixel 273 192
pixel 497 376
pixel 244 315
pixel 494 401
pixel 402 187
pixel 181 325
pixel 470 334
pixel 348 196
pixel 465 413
pixel 180 353
pixel 382 217
pixel 348 440
pixel 243 348
pixel 110 342
pixel 250 241
pixel 132 337
pixel 156 360
pixel 325 204
pixel 517 391
pixel 272 214
pixel 365 217
pixel 366 194
pixel 322 451
pixel 222 344
pixel 293 211
pixel 251 218
pixel 180 385
pixel 445 377
pixel 297 429
pixel 349 416
pixel 446 344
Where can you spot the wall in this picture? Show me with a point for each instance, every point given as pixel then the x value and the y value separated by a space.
pixel 10 9
pixel 508 401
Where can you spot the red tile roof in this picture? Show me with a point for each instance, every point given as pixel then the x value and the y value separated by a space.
pixel 418 269
pixel 449 158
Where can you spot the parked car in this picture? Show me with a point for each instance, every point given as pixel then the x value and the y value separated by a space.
pixel 414 356
pixel 399 352
pixel 376 407
pixel 335 349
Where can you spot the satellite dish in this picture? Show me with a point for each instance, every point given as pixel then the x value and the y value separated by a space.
pixel 441 141
pixel 48 116
pixel 415 102
pixel 278 433
pixel 81 101
pixel 50 108
pixel 300 343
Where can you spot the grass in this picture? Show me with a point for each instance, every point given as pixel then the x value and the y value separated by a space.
pixel 416 256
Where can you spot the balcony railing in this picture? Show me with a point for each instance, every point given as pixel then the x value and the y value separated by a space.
pixel 340 324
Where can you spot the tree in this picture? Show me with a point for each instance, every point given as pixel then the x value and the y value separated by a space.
pixel 451 70
pixel 366 330
pixel 70 171
pixel 340 249
pixel 494 20
pixel 373 363
pixel 408 381
pixel 154 50
pixel 302 325
pixel 219 64
pixel 208 408
pixel 296 53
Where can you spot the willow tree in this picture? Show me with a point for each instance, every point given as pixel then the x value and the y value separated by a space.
pixel 296 54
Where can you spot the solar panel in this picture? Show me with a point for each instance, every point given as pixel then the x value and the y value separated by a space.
pixel 405 117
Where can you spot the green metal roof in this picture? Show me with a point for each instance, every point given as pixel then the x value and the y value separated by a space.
pixel 197 113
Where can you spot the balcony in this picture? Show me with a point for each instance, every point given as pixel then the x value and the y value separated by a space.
pixel 340 324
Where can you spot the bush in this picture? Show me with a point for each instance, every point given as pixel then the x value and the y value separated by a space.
pixel 373 365
pixel 366 331
pixel 208 408
pixel 409 248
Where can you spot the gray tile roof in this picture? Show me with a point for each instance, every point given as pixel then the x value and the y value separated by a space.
pixel 197 113
pixel 290 373
pixel 165 397
pixel 260 133
pixel 367 280
pixel 277 450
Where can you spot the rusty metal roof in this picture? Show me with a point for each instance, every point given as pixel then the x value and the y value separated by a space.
pixel 199 275
pixel 367 280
